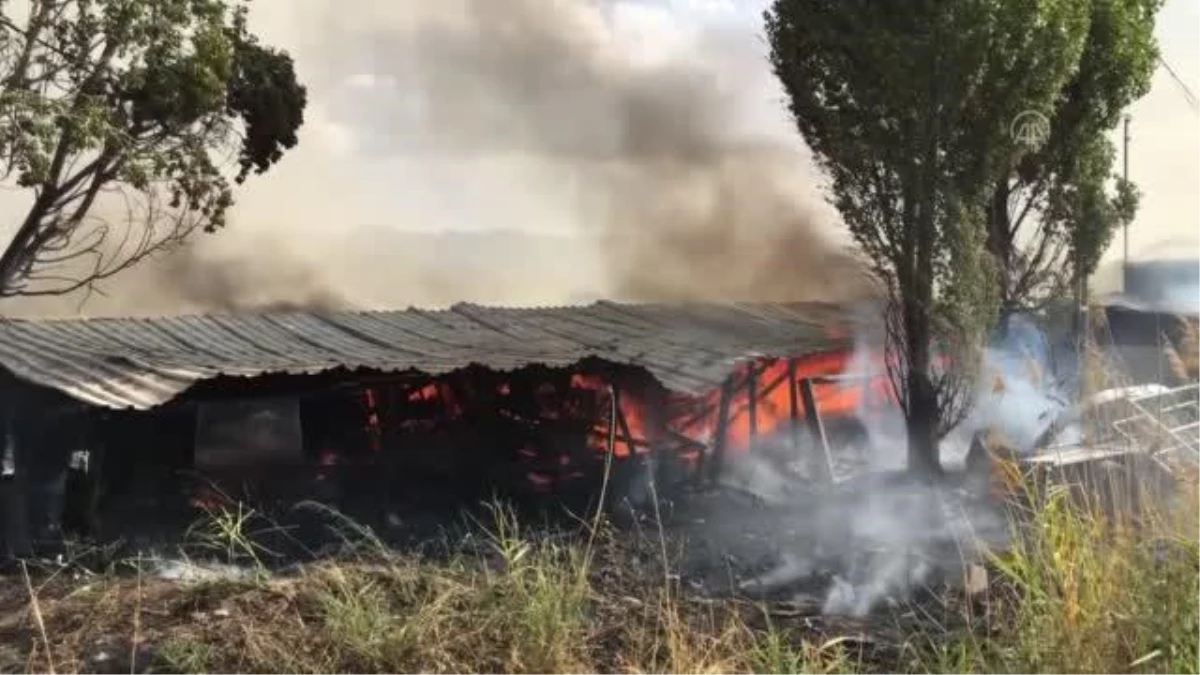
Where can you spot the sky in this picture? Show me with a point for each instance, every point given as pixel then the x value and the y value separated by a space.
pixel 1164 148
pixel 576 120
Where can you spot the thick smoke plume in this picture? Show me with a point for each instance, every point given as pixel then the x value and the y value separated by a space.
pixel 649 157
pixel 668 171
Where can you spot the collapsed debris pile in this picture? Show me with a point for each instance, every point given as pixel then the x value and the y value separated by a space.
pixel 129 428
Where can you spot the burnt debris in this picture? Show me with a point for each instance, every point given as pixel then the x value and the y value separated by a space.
pixel 129 430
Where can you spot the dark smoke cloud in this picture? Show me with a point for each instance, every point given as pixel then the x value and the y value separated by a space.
pixel 238 283
pixel 690 201
pixel 191 280
pixel 532 115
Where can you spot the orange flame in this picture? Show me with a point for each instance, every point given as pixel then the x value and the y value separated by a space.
pixel 772 400
pixel 772 403
pixel 776 401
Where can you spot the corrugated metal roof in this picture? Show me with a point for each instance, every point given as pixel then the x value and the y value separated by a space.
pixel 1159 306
pixel 142 363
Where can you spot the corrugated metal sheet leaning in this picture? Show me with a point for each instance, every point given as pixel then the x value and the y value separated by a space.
pixel 142 363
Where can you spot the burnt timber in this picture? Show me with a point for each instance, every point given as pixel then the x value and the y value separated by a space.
pixel 432 385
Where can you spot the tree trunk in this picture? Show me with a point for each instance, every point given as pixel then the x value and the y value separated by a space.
pixel 921 414
pixel 999 242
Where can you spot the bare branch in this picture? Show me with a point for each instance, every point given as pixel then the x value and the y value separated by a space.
pixel 953 372
pixel 76 121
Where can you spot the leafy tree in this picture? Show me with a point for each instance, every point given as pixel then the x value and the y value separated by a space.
pixel 907 107
pixel 1051 216
pixel 128 122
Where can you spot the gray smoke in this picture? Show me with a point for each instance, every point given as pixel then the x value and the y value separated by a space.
pixel 216 284
pixel 649 158
pixel 878 534
pixel 1164 284
pixel 534 116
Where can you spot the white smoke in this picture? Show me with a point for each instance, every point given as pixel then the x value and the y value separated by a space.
pixel 879 534
pixel 1021 390
pixel 900 532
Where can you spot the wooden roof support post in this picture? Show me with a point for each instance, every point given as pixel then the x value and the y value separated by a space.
pixel 794 406
pixel 821 462
pixel 752 403
pixel 662 452
pixel 15 535
pixel 623 431
pixel 719 439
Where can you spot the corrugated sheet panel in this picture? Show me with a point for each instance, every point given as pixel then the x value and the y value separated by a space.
pixel 142 363
pixel 1178 306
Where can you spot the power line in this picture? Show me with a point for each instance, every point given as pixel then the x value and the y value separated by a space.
pixel 1187 91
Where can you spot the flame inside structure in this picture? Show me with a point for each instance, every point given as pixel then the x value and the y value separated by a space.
pixel 760 403
pixel 551 427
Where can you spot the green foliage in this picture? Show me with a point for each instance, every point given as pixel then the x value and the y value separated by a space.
pixel 1055 210
pixel 908 109
pixel 145 96
pixel 963 316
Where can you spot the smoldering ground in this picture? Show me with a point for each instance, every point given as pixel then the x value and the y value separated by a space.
pixel 666 171
pixel 876 533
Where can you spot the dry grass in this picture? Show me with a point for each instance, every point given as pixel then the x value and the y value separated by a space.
pixel 1085 586
pixel 1089 588
pixel 1078 591
pixel 1095 580
pixel 529 605
pixel 1189 346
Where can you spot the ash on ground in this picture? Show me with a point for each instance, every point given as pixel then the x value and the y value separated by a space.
pixel 848 547
pixel 765 530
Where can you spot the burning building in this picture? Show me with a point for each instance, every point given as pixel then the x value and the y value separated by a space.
pixel 114 421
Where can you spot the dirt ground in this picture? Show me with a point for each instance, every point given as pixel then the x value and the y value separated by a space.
pixel 701 549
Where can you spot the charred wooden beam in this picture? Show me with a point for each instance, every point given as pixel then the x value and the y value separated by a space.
pixel 703 411
pixel 622 423
pixel 684 442
pixel 696 417
pixel 657 432
pixel 749 380
pixel 97 482
pixel 717 460
pixel 631 441
pixel 752 402
pixel 301 386
pixel 833 379
pixel 820 461
pixel 779 381
pixel 793 405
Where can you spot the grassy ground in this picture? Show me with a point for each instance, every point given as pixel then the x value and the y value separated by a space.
pixel 592 602
pixel 1079 591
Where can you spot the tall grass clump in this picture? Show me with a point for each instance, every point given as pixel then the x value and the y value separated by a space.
pixel 522 608
pixel 1102 569
pixel 540 595
pixel 1098 587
